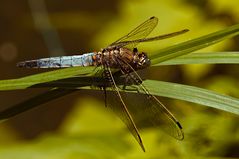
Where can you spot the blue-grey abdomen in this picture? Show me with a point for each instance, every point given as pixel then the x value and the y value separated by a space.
pixel 59 62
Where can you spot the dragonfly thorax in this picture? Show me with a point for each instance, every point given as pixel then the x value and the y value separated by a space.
pixel 123 58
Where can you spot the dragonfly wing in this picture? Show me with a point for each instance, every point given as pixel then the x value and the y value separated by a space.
pixel 115 101
pixel 160 37
pixel 140 32
pixel 148 109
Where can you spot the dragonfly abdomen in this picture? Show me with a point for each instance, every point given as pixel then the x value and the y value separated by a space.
pixel 59 62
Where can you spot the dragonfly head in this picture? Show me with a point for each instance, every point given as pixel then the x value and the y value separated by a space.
pixel 141 60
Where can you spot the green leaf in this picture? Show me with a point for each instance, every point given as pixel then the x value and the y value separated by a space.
pixel 194 95
pixel 30 81
pixel 193 45
pixel 204 58
pixel 34 102
pixel 191 94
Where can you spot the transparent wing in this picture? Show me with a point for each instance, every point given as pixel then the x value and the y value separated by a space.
pixel 160 37
pixel 149 111
pixel 115 101
pixel 140 32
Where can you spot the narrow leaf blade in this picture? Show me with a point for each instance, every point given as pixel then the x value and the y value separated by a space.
pixel 34 102
pixel 29 81
pixel 194 44
pixel 204 58
pixel 193 94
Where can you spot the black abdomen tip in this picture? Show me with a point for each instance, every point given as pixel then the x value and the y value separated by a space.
pixel 28 64
pixel 20 64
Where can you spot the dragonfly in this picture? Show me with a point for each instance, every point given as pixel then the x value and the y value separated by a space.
pixel 123 56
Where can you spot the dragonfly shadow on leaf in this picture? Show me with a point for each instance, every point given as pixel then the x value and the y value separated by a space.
pixel 58 89
pixel 77 82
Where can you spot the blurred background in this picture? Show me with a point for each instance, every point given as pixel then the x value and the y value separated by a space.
pixel 78 125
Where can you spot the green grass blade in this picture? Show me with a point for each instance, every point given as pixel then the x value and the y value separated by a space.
pixel 193 45
pixel 158 88
pixel 191 94
pixel 33 102
pixel 194 95
pixel 204 58
pixel 30 81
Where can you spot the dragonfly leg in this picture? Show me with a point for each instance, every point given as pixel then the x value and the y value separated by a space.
pixel 132 88
pixel 122 109
pixel 105 96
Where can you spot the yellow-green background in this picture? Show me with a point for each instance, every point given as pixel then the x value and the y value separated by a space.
pixel 78 125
